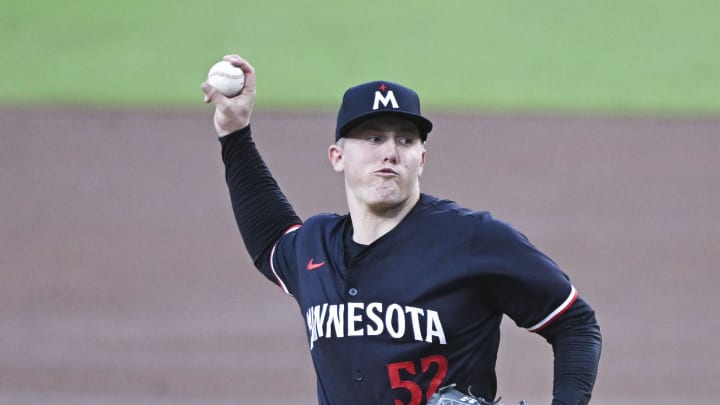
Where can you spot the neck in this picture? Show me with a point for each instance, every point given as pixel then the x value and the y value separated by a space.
pixel 372 222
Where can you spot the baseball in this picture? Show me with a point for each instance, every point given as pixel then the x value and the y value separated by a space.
pixel 227 78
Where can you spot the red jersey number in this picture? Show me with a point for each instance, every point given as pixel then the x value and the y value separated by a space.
pixel 416 393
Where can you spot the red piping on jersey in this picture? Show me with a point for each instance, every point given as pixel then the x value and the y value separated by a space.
pixel 272 253
pixel 557 312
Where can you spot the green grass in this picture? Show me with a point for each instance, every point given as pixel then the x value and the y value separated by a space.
pixel 593 55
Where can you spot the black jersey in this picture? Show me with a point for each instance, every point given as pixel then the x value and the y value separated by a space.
pixel 418 308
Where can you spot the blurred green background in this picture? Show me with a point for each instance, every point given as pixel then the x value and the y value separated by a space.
pixel 612 56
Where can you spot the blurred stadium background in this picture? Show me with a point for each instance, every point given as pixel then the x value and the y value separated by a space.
pixel 594 127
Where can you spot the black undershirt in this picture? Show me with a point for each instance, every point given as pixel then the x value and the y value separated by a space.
pixel 352 248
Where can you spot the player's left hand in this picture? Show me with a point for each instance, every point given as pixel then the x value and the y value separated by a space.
pixel 448 395
pixel 232 114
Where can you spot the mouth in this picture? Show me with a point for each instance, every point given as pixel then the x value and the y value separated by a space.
pixel 386 172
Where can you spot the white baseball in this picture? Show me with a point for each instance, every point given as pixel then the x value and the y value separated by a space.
pixel 227 78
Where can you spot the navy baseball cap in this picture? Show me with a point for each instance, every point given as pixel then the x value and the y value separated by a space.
pixel 380 97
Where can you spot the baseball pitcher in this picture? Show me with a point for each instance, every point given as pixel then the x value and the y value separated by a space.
pixel 403 294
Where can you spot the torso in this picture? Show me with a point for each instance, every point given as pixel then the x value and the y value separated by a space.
pixel 405 316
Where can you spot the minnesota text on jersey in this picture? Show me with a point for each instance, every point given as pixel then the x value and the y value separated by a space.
pixel 359 319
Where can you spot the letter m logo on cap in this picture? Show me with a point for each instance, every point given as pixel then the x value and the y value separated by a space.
pixel 388 98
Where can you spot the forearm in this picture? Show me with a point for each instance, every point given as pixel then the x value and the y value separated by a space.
pixel 577 343
pixel 261 210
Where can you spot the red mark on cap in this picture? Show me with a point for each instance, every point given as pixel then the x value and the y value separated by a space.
pixel 383 87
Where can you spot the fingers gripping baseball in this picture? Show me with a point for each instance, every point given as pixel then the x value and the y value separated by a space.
pixel 232 113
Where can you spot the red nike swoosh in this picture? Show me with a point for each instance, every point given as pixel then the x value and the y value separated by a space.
pixel 313 266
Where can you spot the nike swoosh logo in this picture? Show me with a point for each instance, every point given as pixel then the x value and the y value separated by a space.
pixel 312 265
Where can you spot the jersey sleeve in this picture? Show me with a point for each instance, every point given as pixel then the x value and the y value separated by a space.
pixel 262 212
pixel 282 263
pixel 517 279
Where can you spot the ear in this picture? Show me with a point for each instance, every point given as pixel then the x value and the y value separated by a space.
pixel 423 157
pixel 335 155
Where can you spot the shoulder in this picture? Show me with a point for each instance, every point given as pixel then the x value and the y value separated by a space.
pixel 434 206
pixel 324 219
pixel 484 225
pixel 435 209
pixel 495 228
pixel 447 220
pixel 323 223
pixel 317 231
pixel 496 235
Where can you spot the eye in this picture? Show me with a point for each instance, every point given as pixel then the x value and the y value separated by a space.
pixel 374 139
pixel 406 140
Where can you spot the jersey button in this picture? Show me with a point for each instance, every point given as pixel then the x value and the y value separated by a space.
pixel 353 292
pixel 358 376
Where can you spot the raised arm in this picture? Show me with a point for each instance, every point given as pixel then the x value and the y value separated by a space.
pixel 261 210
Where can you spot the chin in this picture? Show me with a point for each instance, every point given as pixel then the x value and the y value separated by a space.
pixel 385 198
pixel 383 195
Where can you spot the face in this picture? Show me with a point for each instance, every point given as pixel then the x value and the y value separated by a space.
pixel 382 159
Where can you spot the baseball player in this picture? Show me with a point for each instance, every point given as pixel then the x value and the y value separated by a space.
pixel 405 293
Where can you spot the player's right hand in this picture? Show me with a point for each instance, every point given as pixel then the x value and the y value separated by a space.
pixel 232 114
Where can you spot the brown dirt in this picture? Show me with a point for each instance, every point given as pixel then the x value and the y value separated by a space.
pixel 123 278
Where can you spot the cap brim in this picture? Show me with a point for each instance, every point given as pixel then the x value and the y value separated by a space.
pixel 424 125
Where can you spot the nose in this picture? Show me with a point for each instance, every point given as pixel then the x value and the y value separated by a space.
pixel 390 154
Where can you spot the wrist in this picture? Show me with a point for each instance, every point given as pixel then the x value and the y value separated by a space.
pixel 228 121
pixel 239 132
pixel 228 130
